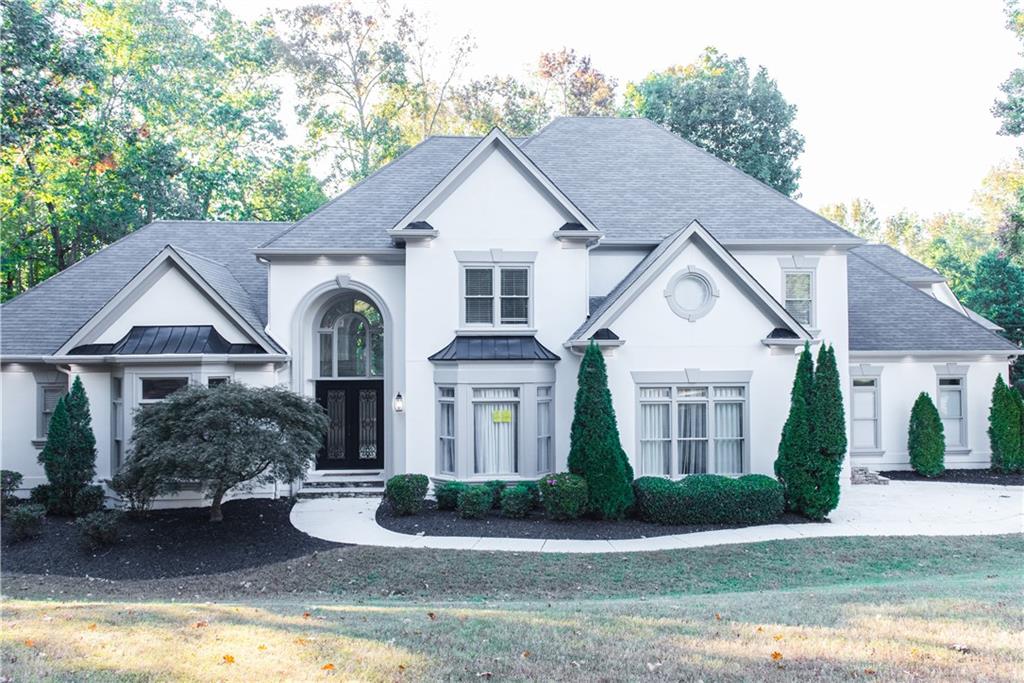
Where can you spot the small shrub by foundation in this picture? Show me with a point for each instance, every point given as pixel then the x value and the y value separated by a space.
pixel 406 492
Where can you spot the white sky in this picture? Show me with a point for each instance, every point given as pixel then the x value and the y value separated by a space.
pixel 894 97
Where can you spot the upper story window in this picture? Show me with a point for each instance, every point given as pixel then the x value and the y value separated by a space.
pixel 496 295
pixel 799 295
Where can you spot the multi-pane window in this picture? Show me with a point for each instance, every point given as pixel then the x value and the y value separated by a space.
pixel 545 452
pixel 496 430
pixel 692 429
pixel 865 415
pixel 497 295
pixel 446 428
pixel 799 295
pixel 49 395
pixel 117 419
pixel 951 410
pixel 216 381
pixel 156 389
pixel 350 337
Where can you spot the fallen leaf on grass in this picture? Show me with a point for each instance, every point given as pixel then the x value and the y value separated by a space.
pixel 300 641
pixel 777 636
pixel 305 615
pixel 718 617
pixel 327 667
pixel 869 671
pixel 229 659
pixel 776 656
pixel 30 643
pixel 201 624
pixel 261 647
pixel 91 627
pixel 760 629
pixel 526 653
pixel 431 616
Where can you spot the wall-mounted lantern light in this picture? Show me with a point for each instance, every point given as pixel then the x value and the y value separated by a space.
pixel 399 403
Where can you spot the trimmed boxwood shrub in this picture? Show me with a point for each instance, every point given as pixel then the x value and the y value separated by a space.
pixel 89 499
pixel 24 521
pixel 516 502
pixel 496 488
pixel 475 501
pixel 406 492
pixel 926 439
pixel 9 483
pixel 709 499
pixel 99 528
pixel 564 496
pixel 534 488
pixel 447 494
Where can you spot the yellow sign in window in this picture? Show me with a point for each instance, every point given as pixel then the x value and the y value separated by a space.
pixel 501 415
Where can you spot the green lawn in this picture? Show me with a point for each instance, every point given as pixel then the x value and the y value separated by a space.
pixel 862 609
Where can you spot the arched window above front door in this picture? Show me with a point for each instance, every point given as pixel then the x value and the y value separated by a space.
pixel 350 339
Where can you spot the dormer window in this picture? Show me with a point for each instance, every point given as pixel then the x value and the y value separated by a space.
pixel 496 296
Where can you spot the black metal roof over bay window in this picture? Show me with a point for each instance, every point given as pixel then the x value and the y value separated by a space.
pixel 167 339
pixel 497 348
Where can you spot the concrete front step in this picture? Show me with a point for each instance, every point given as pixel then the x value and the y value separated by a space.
pixel 342 483
pixel 340 491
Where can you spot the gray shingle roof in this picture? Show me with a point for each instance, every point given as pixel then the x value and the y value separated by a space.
pixel 887 314
pixel 634 180
pixel 898 264
pixel 40 320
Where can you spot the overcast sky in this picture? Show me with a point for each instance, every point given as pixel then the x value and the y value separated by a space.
pixel 894 97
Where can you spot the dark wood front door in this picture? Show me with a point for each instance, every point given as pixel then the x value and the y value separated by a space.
pixel 355 435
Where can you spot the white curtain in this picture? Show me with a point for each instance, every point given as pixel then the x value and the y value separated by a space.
pixel 544 436
pixel 495 425
pixel 655 438
pixel 729 438
pixel 693 433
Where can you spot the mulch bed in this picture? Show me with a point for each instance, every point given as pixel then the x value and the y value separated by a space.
pixel 960 477
pixel 434 522
pixel 169 543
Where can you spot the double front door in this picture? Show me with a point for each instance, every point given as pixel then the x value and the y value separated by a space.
pixel 355 432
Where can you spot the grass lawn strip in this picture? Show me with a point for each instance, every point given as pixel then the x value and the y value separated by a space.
pixel 949 628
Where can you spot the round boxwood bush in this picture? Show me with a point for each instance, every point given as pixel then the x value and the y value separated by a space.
pixel 709 499
pixel 89 499
pixel 447 494
pixel 534 488
pixel 564 495
pixel 99 528
pixel 24 521
pixel 496 486
pixel 516 502
pixel 406 492
pixel 475 501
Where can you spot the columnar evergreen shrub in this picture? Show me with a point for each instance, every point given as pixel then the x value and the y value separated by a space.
pixel 475 501
pixel 926 440
pixel 447 494
pixel 595 451
pixel 406 492
pixel 796 447
pixel 516 501
pixel 69 456
pixel 25 521
pixel 1004 428
pixel 828 430
pixel 564 496
pixel 709 499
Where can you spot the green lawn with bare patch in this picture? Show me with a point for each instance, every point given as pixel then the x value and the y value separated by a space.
pixel 912 609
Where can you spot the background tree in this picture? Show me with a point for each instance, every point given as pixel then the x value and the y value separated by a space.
pixel 69 456
pixel 796 447
pixel 859 217
pixel 225 437
pixel 1010 109
pixel 925 438
pixel 1004 428
pixel 505 102
pixel 717 105
pixel 595 450
pixel 573 86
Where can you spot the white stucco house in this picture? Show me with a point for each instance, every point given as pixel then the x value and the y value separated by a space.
pixel 438 311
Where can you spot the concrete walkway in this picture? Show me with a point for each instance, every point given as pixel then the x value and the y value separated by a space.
pixel 899 509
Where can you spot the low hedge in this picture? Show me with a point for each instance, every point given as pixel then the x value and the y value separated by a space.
pixel 564 496
pixel 475 501
pixel 406 492
pixel 447 494
pixel 709 499
pixel 516 502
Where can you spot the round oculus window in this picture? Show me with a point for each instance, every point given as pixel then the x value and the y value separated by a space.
pixel 691 294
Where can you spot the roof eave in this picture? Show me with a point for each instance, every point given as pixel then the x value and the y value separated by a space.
pixel 165 358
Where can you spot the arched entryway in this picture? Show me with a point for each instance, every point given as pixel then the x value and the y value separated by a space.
pixel 348 368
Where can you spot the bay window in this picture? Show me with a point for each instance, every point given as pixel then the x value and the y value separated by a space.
pixel 446 428
pixel 545 452
pixel 692 429
pixel 496 431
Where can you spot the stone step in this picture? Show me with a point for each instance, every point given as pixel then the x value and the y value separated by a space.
pixel 341 492
pixel 342 483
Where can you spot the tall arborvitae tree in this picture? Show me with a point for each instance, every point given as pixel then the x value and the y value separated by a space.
pixel 796 448
pixel 926 439
pixel 595 451
pixel 1004 429
pixel 828 427
pixel 69 456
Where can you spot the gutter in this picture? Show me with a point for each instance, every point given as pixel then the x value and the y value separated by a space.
pixel 164 358
pixel 898 354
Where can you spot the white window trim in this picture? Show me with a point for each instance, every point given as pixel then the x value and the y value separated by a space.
pixel 454 438
pixel 674 400
pixel 876 391
pixel 958 372
pixel 549 404
pixel 333 331
pixel 496 296
pixel 691 314
pixel 812 307
pixel 41 388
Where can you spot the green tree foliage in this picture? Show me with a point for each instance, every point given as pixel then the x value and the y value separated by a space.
pixel 995 289
pixel 504 102
pixel 69 456
pixel 829 429
pixel 595 451
pixel 573 86
pixel 716 104
pixel 225 437
pixel 1010 109
pixel 859 217
pixel 925 438
pixel 1004 428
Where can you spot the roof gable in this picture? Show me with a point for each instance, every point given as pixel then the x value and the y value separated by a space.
pixel 645 272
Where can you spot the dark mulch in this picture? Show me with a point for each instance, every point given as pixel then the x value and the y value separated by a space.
pixel 961 477
pixel 169 543
pixel 434 522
